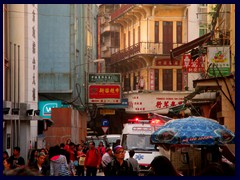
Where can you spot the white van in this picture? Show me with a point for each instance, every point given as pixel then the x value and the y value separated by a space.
pixel 112 139
pixel 136 136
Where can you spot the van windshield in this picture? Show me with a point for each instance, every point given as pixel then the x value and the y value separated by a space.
pixel 137 142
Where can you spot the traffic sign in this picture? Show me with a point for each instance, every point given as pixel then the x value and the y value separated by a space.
pixel 105 123
pixel 104 129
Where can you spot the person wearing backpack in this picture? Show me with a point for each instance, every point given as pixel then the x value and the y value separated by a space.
pixel 92 160
pixel 118 166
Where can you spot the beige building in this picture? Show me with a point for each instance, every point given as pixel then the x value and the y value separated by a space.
pixel 20 77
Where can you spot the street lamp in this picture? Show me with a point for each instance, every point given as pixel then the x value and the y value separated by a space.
pixel 91 61
pixel 85 79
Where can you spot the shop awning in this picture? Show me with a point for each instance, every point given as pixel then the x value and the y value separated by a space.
pixel 190 45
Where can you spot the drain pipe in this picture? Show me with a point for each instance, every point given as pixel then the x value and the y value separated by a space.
pixel 19 123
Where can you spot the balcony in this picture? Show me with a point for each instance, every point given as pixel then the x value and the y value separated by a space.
pixel 143 48
pixel 123 9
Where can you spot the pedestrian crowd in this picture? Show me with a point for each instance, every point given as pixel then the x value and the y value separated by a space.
pixel 69 159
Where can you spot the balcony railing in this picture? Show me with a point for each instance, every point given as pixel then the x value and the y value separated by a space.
pixel 144 48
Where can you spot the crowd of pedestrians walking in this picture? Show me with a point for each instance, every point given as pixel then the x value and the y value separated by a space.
pixel 69 159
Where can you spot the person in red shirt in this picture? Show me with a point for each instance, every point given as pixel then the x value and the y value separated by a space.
pixel 92 161
pixel 102 151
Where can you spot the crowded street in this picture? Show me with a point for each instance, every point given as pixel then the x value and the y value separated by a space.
pixel 119 90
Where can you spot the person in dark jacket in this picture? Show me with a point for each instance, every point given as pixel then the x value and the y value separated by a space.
pixel 118 166
pixel 40 165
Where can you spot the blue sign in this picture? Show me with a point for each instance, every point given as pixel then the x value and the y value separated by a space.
pixel 105 122
pixel 45 107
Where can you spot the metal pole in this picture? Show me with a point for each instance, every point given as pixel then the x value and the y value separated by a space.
pixel 14 76
pixel 10 73
pixel 18 76
pixel 11 137
pixel 15 132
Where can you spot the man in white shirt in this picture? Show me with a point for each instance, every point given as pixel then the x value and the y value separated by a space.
pixel 106 158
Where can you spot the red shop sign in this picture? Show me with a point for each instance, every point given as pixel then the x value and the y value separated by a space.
pixel 104 92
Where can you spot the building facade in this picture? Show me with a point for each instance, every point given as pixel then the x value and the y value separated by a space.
pixel 20 76
pixel 156 42
pixel 67 53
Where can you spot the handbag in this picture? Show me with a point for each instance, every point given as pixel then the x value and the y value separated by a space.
pixel 64 171
pixel 81 160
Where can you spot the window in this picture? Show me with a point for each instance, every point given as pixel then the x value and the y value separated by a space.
pixel 135 81
pixel 133 36
pixel 124 41
pixel 179 32
pixel 167 79
pixel 156 28
pixel 115 39
pixel 127 83
pixel 129 38
pixel 139 34
pixel 179 80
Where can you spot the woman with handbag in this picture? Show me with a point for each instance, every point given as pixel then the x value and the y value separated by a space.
pixel 81 159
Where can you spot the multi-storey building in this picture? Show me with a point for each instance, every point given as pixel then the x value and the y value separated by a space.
pixel 156 42
pixel 147 34
pixel 67 52
pixel 20 76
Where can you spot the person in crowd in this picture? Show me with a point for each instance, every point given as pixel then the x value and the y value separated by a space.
pixel 81 159
pixel 5 155
pixel 85 148
pixel 107 158
pixel 101 150
pixel 71 151
pixel 40 165
pixel 6 165
pixel 57 161
pixel 16 159
pixel 33 157
pixel 214 169
pixel 162 166
pixel 66 147
pixel 64 152
pixel 141 83
pixel 118 166
pixel 92 161
pixel 22 171
pixel 133 162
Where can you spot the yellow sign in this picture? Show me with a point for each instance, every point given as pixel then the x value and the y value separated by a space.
pixel 107 111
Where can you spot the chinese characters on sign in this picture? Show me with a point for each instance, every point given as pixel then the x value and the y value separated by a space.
pixel 104 93
pixel 137 103
pixel 33 55
pixel 168 62
pixel 100 92
pixel 104 77
pixel 152 78
pixel 191 66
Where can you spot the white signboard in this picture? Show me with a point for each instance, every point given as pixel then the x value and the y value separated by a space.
pixel 157 102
